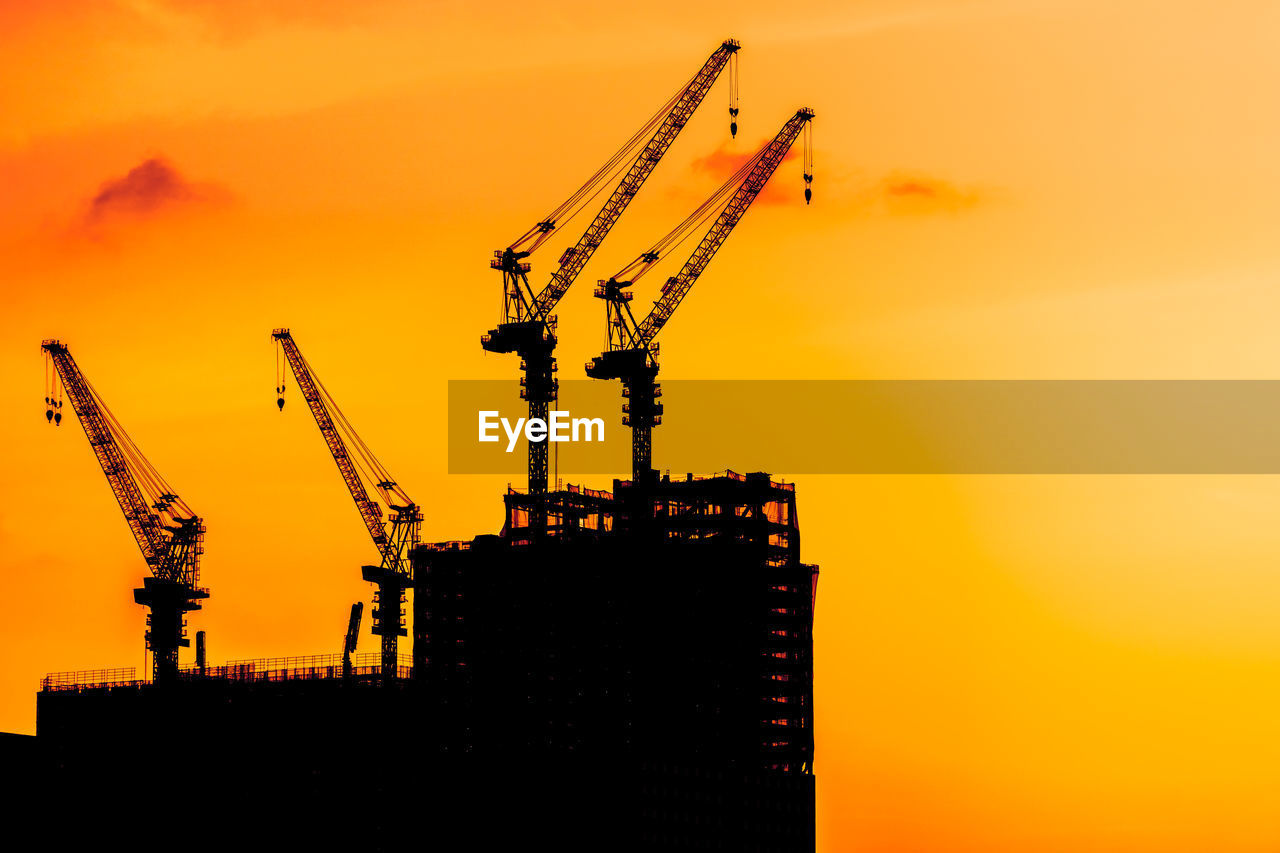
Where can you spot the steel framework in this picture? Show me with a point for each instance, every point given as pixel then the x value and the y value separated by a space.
pixel 632 352
pixel 394 574
pixel 169 534
pixel 529 328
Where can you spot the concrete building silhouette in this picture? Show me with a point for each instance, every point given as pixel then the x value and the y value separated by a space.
pixel 636 675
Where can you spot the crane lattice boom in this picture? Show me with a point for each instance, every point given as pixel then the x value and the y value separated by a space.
pixel 528 327
pixel 395 573
pixel 678 286
pixel 169 534
pixel 391 548
pixel 575 258
pixel 159 526
pixel 631 354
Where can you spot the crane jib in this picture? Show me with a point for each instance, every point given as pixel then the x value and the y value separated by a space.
pixel 678 286
pixel 172 553
pixel 644 164
pixel 392 549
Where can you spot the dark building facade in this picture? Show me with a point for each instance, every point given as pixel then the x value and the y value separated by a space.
pixel 660 635
pixel 637 676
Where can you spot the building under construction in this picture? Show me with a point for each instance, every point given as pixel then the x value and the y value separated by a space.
pixel 625 669
pixel 642 674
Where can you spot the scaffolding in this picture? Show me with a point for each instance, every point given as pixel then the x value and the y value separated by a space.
pixel 725 504
pixel 729 536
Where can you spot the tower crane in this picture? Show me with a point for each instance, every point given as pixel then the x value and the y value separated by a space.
pixel 632 351
pixel 528 327
pixel 393 574
pixel 168 532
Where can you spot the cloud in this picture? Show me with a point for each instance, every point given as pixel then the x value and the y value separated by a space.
pixel 149 189
pixel 896 193
pixel 723 162
pixel 913 193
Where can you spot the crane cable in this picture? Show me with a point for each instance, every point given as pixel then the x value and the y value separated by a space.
pixel 372 472
pixel 162 495
pixel 682 232
pixel 808 161
pixel 691 224
pixel 567 210
pixel 52 392
pixel 163 508
pixel 162 500
pixel 151 483
pixel 733 95
pixel 280 377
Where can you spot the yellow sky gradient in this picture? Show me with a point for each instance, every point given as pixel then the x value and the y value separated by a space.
pixel 1004 190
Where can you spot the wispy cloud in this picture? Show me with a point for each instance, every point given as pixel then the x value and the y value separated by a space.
pixel 725 160
pixel 895 193
pixel 910 193
pixel 150 189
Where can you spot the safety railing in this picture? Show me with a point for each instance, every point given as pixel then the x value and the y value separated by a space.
pixel 89 678
pixel 298 668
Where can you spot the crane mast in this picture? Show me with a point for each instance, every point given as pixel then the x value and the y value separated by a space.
pixel 632 351
pixel 529 328
pixel 394 574
pixel 167 531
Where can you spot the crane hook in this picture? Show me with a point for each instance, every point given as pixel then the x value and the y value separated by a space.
pixel 280 403
pixel 733 95
pixel 48 414
pixel 808 163
pixel 57 418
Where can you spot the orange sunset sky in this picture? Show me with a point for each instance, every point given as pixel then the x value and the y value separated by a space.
pixel 1005 189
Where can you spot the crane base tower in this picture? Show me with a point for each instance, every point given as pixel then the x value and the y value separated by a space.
pixel 168 602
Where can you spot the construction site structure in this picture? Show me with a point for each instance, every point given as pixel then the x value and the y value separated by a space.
pixel 632 350
pixel 166 529
pixel 656 638
pixel 393 574
pixel 628 668
pixel 638 674
pixel 528 327
pixel 352 636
